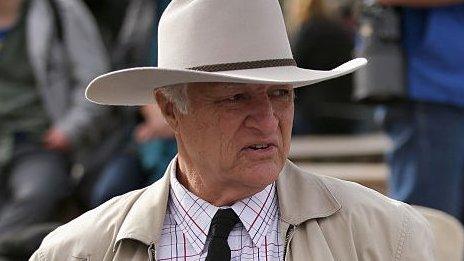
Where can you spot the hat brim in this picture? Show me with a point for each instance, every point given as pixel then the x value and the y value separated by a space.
pixel 135 86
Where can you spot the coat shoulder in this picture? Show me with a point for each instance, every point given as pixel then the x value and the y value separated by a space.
pixel 399 230
pixel 351 196
pixel 89 233
pixel 357 200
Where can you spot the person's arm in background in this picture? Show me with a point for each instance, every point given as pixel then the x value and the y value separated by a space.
pixel 88 59
pixel 419 3
pixel 153 126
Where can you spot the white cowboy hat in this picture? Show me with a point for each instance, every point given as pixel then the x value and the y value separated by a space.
pixel 240 41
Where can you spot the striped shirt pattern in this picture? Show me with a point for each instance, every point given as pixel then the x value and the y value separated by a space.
pixel 188 218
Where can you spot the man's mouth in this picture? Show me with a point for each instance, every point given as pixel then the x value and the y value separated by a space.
pixel 259 146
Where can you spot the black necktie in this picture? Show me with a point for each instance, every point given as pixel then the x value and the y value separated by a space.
pixel 221 225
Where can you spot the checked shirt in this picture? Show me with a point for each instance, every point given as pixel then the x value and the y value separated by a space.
pixel 185 231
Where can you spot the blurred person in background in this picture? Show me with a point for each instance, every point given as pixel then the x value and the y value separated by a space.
pixel 149 149
pixel 321 41
pixel 49 52
pixel 427 161
pixel 139 144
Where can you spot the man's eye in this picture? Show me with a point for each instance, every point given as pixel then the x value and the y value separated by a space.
pixel 281 93
pixel 236 98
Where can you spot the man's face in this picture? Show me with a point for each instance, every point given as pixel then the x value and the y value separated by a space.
pixel 237 134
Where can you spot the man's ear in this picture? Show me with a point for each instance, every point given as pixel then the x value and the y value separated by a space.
pixel 168 109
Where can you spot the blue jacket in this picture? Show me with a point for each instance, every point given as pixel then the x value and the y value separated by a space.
pixel 434 44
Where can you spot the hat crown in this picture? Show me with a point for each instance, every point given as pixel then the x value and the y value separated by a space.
pixel 195 33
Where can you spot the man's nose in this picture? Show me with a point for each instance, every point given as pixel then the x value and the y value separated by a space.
pixel 262 117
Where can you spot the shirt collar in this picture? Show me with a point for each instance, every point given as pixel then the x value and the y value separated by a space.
pixel 144 215
pixel 194 215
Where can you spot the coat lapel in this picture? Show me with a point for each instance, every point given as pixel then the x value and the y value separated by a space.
pixel 144 221
pixel 314 248
pixel 303 199
pixel 303 196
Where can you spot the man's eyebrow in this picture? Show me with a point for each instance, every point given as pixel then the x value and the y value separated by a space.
pixel 231 87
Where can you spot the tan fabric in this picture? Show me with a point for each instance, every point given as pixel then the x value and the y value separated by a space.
pixel 327 219
pixel 448 233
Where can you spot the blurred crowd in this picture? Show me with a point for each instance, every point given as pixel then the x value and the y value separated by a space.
pixel 60 155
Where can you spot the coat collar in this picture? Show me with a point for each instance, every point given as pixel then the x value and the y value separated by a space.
pixel 302 196
pixel 145 219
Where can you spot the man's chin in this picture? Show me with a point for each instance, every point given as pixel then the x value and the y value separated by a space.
pixel 264 172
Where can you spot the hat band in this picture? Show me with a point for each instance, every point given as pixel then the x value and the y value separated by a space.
pixel 244 65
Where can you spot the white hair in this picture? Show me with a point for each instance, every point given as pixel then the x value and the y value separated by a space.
pixel 177 94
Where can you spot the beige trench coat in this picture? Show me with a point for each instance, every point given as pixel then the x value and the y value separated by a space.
pixel 322 219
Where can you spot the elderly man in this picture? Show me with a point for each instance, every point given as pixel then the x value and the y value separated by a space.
pixel 225 87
